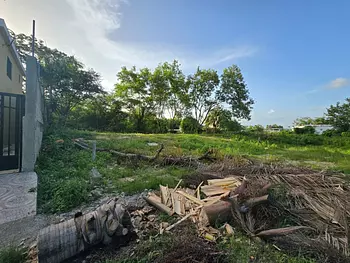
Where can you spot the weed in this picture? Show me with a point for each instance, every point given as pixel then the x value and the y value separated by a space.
pixel 12 255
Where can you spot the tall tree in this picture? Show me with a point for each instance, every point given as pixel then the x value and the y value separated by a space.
pixel 133 88
pixel 339 115
pixel 177 99
pixel 234 92
pixel 202 86
pixel 64 79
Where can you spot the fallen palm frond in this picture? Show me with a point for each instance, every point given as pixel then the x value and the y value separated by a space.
pixel 286 199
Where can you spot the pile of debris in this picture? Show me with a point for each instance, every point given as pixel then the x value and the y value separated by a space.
pixel 206 206
pixel 306 210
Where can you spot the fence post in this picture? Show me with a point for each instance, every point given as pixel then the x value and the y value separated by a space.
pixel 93 151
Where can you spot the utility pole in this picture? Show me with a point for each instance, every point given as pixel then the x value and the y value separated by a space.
pixel 33 40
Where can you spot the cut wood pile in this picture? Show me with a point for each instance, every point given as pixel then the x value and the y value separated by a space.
pixel 306 210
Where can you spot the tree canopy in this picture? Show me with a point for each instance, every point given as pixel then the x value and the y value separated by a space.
pixel 166 92
pixel 339 116
pixel 65 80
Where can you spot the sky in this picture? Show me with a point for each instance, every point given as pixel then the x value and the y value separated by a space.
pixel 294 55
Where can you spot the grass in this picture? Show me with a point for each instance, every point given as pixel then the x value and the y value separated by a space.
pixel 64 170
pixel 12 255
pixel 236 249
pixel 64 178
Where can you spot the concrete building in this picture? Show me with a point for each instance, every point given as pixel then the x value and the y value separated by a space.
pixel 319 128
pixel 21 128
pixel 11 101
pixel 11 68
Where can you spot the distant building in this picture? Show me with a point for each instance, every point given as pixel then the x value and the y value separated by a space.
pixel 274 128
pixel 319 128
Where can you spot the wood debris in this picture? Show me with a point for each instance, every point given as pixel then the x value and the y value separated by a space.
pixel 188 204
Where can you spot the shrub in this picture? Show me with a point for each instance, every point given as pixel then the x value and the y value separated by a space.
pixel 174 123
pixel 331 133
pixel 190 125
pixel 305 130
pixel 231 125
pixel 12 255
pixel 345 134
pixel 156 125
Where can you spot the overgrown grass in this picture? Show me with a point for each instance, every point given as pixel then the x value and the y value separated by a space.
pixel 12 255
pixel 64 170
pixel 236 249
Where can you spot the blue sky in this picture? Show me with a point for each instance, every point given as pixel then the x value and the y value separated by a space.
pixel 294 55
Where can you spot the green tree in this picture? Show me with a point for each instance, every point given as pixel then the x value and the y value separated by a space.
pixel 64 79
pixel 219 118
pixel 339 116
pixel 190 125
pixel 176 99
pixel 202 86
pixel 234 92
pixel 310 121
pixel 133 88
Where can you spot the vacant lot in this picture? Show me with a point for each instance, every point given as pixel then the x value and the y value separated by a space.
pixel 64 169
pixel 64 172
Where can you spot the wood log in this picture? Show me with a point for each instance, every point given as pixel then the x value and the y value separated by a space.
pixel 256 200
pixel 280 231
pixel 158 204
pixel 219 212
pixel 62 241
pixel 211 190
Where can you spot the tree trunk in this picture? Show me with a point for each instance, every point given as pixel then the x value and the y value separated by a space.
pixel 67 239
pixel 216 213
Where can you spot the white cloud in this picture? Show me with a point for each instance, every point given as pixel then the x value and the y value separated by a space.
pixel 338 83
pixel 83 27
pixel 271 111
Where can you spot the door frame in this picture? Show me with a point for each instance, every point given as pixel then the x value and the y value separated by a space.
pixel 9 161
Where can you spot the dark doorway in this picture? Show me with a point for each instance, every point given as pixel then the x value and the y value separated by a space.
pixel 11 113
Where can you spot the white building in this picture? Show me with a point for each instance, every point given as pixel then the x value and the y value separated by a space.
pixel 319 128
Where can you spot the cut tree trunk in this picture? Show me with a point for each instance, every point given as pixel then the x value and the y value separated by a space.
pixel 62 241
pixel 219 212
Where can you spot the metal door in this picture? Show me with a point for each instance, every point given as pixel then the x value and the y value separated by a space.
pixel 11 113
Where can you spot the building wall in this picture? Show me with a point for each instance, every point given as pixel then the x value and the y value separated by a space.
pixel 6 84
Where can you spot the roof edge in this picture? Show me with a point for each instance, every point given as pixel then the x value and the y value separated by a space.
pixel 12 47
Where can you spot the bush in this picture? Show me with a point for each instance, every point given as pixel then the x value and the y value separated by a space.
pixel 331 133
pixel 12 255
pixel 190 125
pixel 345 134
pixel 305 130
pixel 231 125
pixel 174 124
pixel 156 125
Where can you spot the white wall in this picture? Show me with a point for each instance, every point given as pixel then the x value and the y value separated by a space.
pixel 33 120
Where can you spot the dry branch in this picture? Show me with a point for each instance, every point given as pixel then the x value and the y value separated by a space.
pixel 134 156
